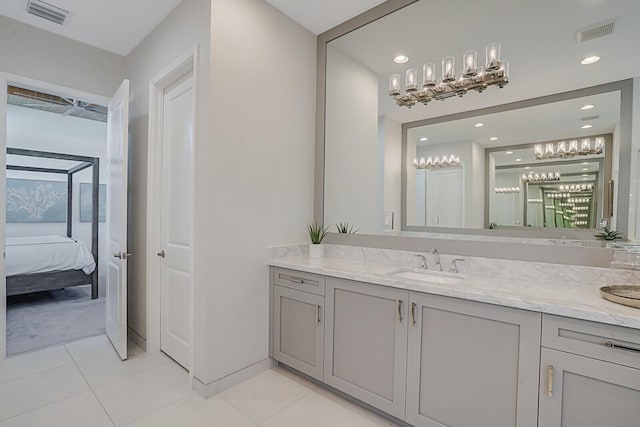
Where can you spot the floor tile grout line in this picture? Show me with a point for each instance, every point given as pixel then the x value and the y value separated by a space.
pixel 38 372
pixel 90 388
pixel 271 416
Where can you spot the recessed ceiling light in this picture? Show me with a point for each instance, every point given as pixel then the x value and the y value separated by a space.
pixel 586 126
pixel 423 139
pixel 493 138
pixel 508 152
pixel 585 169
pixel 518 160
pixel 527 167
pixel 585 179
pixel 587 107
pixel 585 164
pixel 479 125
pixel 590 60
pixel 585 175
pixel 401 59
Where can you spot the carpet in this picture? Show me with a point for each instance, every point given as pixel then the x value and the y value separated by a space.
pixel 44 319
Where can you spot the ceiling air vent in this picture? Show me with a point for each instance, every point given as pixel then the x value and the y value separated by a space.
pixel 47 11
pixel 596 31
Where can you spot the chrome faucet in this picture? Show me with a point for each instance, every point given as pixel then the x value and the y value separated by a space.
pixel 454 265
pixel 436 254
pixel 423 262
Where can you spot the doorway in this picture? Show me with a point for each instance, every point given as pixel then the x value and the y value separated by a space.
pixel 170 301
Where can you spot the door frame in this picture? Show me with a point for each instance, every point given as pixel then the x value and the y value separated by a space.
pixel 185 63
pixel 7 79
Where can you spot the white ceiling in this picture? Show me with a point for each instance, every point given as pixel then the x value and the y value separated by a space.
pixel 114 25
pixel 320 16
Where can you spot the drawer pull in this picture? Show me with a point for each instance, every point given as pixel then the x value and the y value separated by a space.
pixel 318 313
pixel 400 310
pixel 296 280
pixel 620 347
pixel 549 381
pixel 413 313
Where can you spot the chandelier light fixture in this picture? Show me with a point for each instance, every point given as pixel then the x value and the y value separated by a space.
pixel 451 161
pixel 472 77
pixel 573 148
pixel 507 190
pixel 543 177
pixel 577 187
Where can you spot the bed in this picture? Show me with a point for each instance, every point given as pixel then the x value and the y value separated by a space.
pixel 43 263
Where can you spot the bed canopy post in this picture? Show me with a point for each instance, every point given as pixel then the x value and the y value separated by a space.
pixel 69 204
pixel 95 221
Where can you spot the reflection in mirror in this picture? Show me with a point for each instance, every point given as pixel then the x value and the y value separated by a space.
pixel 376 168
pixel 522 168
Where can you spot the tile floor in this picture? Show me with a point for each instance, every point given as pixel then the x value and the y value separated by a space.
pixel 84 384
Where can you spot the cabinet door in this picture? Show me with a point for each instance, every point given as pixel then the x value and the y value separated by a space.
pixel 577 391
pixel 366 343
pixel 471 364
pixel 298 330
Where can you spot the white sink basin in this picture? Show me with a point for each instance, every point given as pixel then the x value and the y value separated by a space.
pixel 420 275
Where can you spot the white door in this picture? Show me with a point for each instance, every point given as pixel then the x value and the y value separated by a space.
pixel 176 271
pixel 445 198
pixel 117 149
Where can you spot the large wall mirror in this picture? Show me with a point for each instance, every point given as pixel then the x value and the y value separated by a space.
pixel 547 155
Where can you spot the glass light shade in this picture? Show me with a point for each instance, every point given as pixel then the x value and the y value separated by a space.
pixel 543 176
pixel 537 150
pixel 585 145
pixel 524 177
pixel 557 176
pixel 470 61
pixel 415 162
pixel 448 69
pixel 549 150
pixel 493 56
pixel 599 145
pixel 422 162
pixel 429 162
pixel 428 74
pixel 437 162
pixel 573 147
pixel 411 80
pixel 562 148
pixel 394 84
pixel 505 68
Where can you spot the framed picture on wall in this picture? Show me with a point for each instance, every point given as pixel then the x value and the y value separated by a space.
pixel 86 201
pixel 30 200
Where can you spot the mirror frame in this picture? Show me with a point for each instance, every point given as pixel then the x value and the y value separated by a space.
pixel 622 186
pixel 513 250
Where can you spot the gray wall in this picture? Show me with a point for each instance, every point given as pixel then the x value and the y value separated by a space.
pixel 30 52
pixel 254 175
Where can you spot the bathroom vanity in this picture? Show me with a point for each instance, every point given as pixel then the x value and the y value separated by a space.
pixel 452 349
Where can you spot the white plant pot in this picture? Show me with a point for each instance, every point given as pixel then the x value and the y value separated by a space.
pixel 315 251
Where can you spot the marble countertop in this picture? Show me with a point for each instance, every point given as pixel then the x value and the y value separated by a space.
pixel 564 298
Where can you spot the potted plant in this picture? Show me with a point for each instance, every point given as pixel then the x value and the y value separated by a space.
pixel 608 235
pixel 317 232
pixel 345 228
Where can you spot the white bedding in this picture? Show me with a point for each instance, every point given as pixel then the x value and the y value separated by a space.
pixel 41 254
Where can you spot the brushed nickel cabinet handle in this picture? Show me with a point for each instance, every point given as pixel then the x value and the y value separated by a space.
pixel 296 280
pixel 122 255
pixel 413 313
pixel 620 347
pixel 399 310
pixel 549 381
pixel 318 307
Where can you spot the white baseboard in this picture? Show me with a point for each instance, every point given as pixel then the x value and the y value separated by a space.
pixel 220 385
pixel 135 337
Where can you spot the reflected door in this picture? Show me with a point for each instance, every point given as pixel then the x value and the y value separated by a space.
pixel 445 198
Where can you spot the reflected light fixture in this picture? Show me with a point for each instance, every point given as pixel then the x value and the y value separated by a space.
pixel 423 139
pixel 542 177
pixel 493 138
pixel 518 160
pixel 590 60
pixel 587 107
pixel 573 148
pixel 507 190
pixel 508 152
pixel 479 125
pixel 452 83
pixel 586 126
pixel 401 59
pixel 451 161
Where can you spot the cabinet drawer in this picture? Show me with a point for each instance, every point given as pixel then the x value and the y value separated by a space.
pixel 307 282
pixel 610 343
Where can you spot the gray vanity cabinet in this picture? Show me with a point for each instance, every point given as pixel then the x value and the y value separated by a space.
pixel 298 321
pixel 366 343
pixel 589 374
pixel 471 364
